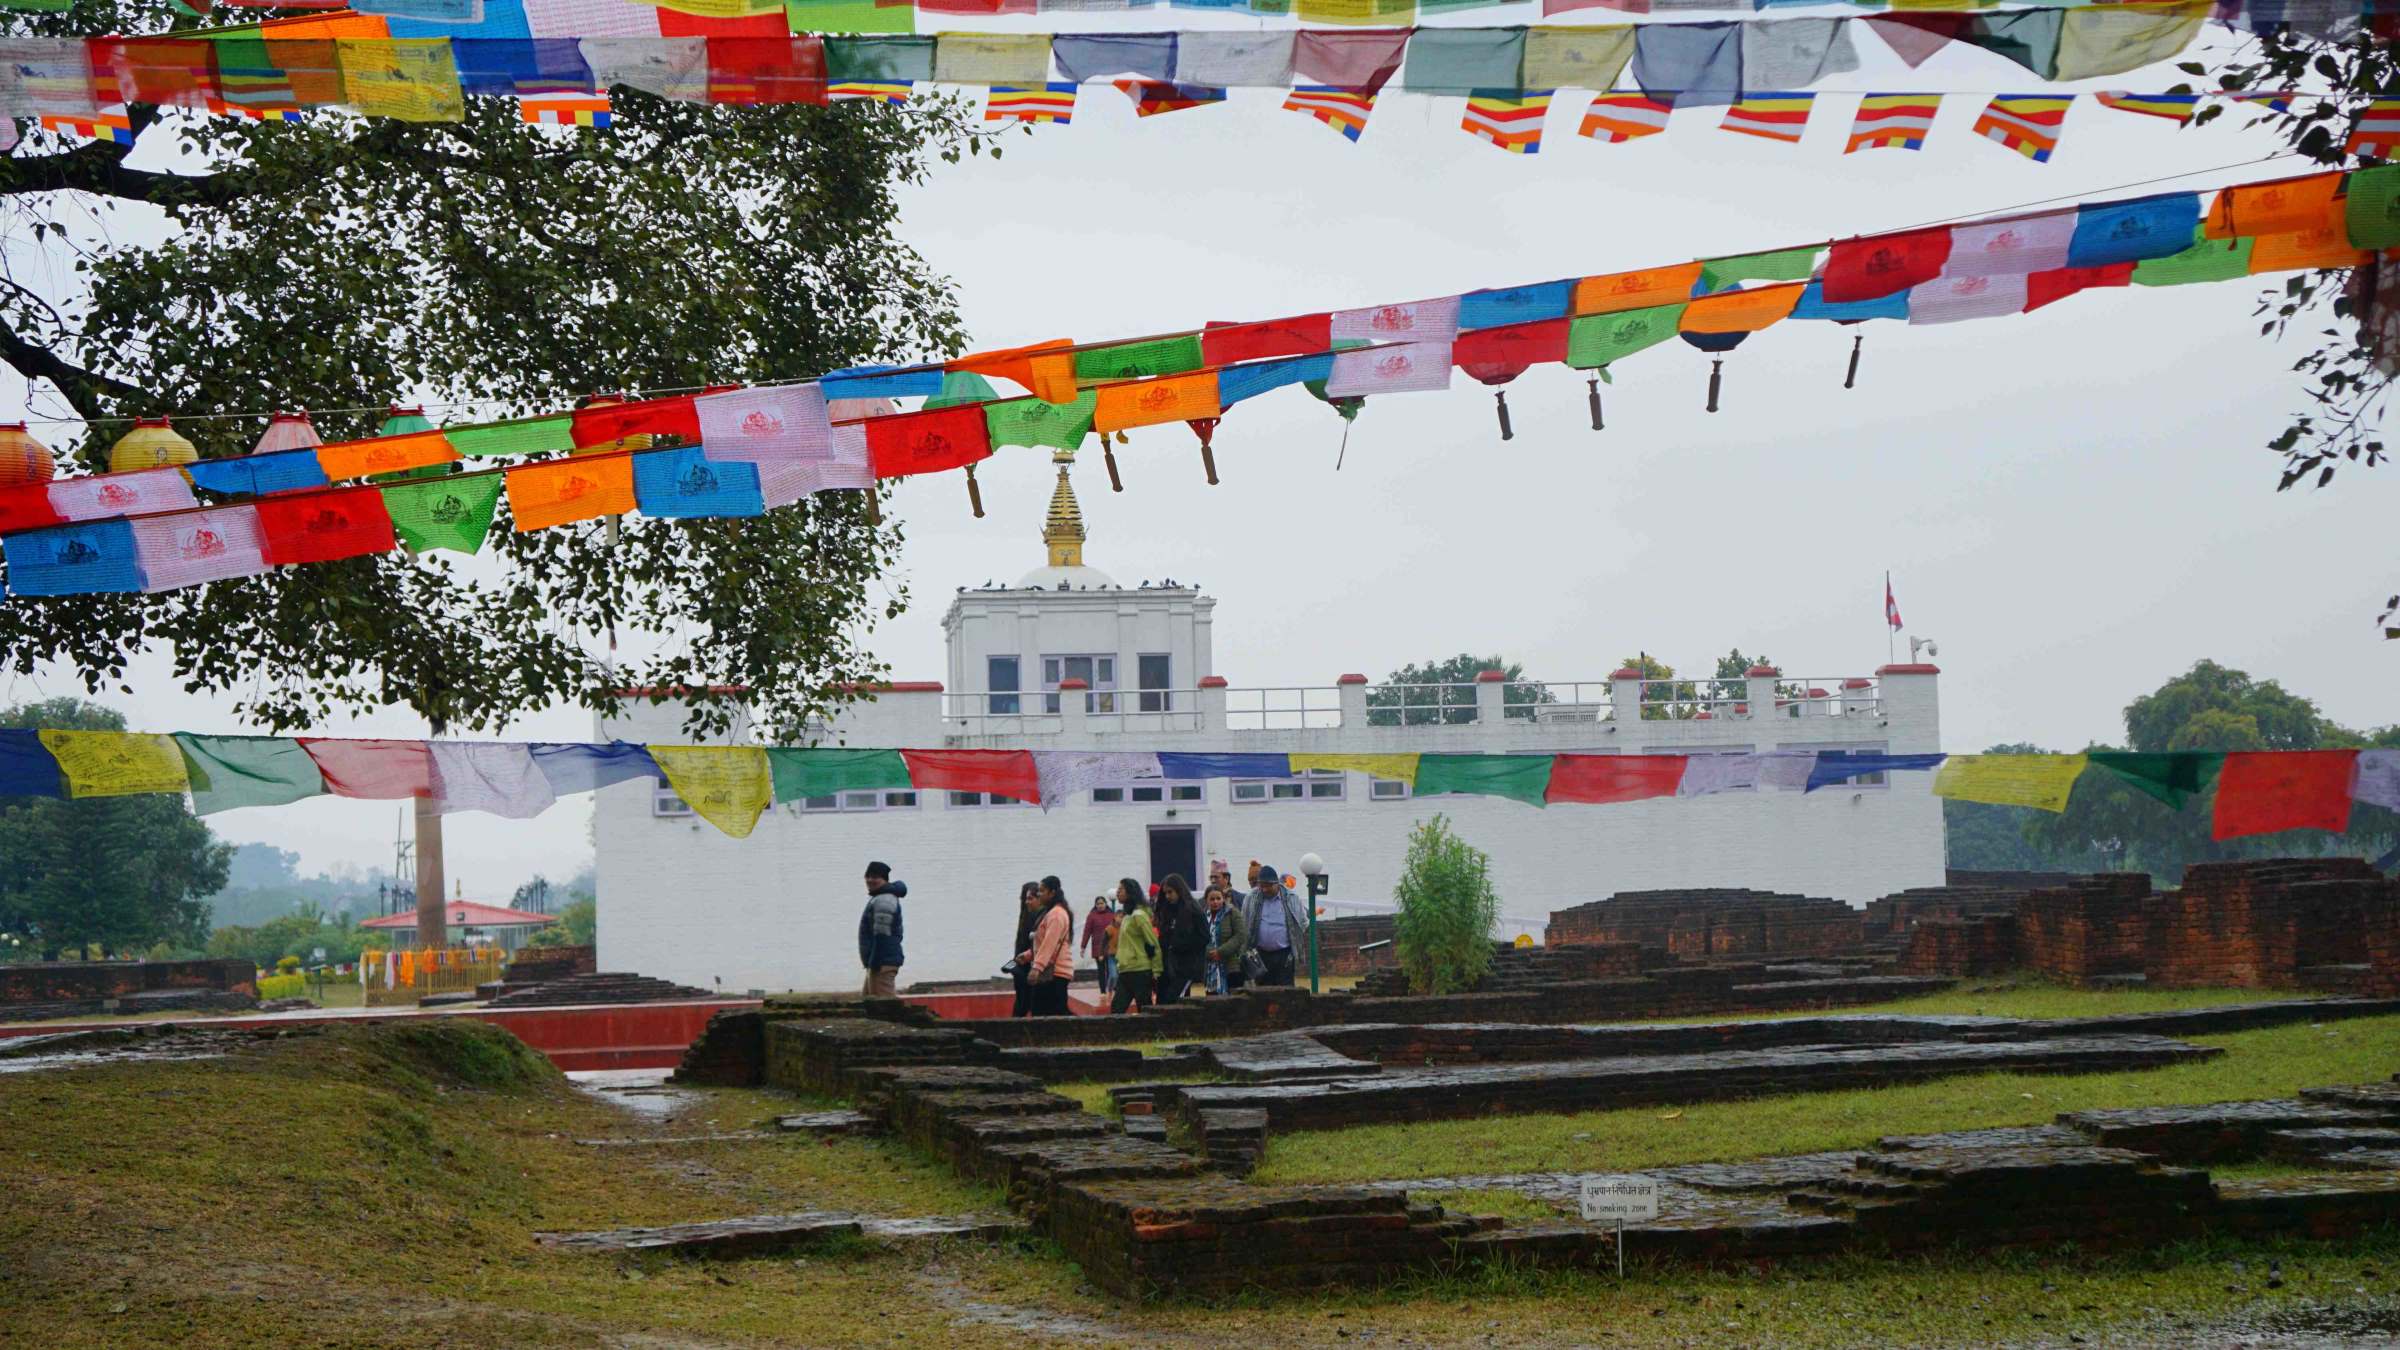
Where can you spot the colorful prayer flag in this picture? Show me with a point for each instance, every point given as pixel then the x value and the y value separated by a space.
pixel 378 770
pixel 27 768
pixel 1773 117
pixel 572 766
pixel 102 126
pixel 870 91
pixel 2029 124
pixel 563 491
pixel 1841 766
pixel 1401 767
pixel 2040 781
pixel 235 771
pixel 2173 107
pixel 2264 791
pixel 1613 778
pixel 1615 118
pixel 1523 778
pixel 498 777
pixel 1509 122
pixel 453 513
pixel 799 774
pixel 95 557
pixel 1152 97
pixel 385 454
pixel 186 548
pixel 2377 131
pixel 1063 773
pixel 1009 773
pixel 1345 110
pixel 565 110
pixel 1031 103
pixel 1143 403
pixel 927 442
pixel 116 763
pixel 1892 122
pixel 1875 266
pixel 325 526
pixel 726 785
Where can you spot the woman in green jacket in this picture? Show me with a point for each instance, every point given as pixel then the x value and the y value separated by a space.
pixel 1138 962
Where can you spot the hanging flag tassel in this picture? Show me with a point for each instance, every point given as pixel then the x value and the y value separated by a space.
pixel 1108 456
pixel 1593 385
pixel 1857 340
pixel 1716 381
pixel 974 493
pixel 1500 396
pixel 1206 429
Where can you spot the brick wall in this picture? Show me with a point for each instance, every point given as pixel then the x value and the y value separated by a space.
pixel 2260 924
pixel 2091 928
pixel 1701 924
pixel 1983 944
pixel 1339 940
pixel 82 981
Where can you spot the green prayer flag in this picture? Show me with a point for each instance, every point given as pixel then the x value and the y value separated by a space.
pixel 1464 60
pixel 1790 264
pixel 961 386
pixel 849 16
pixel 2205 260
pixel 1454 6
pixel 1525 778
pixel 879 59
pixel 231 771
pixel 2028 37
pixel 1031 422
pixel 539 436
pixel 799 774
pixel 1133 360
pixel 452 513
pixel 2372 211
pixel 2172 778
pixel 1597 339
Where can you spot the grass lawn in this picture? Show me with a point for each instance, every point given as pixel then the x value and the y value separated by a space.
pixel 2272 1063
pixel 2021 997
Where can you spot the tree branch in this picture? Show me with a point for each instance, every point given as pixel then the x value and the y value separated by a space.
pixel 80 387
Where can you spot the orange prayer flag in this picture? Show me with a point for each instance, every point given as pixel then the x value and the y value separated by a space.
pixel 384 454
pixel 566 490
pixel 2276 208
pixel 2325 247
pixel 1636 290
pixel 1742 311
pixel 1142 403
pixel 1050 378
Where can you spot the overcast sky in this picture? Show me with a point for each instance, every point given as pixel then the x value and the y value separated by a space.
pixel 2075 503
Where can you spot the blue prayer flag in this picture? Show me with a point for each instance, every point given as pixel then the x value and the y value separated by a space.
pixel 498 65
pixel 1083 57
pixel 27 768
pixel 1516 304
pixel 1813 305
pixel 94 557
pixel 1183 767
pixel 426 19
pixel 1235 383
pixel 686 482
pixel 881 382
pixel 2146 227
pixel 1840 766
pixel 1692 64
pixel 572 767
pixel 258 475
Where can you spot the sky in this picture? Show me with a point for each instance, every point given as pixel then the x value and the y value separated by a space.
pixel 2075 504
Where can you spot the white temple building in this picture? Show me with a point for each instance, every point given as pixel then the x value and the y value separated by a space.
pixel 1069 659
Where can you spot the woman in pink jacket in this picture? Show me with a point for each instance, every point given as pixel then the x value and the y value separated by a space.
pixel 1053 952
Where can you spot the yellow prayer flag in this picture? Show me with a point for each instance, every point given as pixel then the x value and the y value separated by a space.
pixel 117 763
pixel 1576 57
pixel 1391 12
pixel 1402 767
pixel 2041 781
pixel 2112 39
pixel 408 79
pixel 725 785
pixel 1144 403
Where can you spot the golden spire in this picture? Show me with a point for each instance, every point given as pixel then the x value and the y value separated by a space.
pixel 1064 530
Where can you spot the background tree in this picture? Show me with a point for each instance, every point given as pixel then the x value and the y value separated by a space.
pixel 578 926
pixel 1983 836
pixel 117 873
pixel 1389 705
pixel 1447 908
pixel 493 268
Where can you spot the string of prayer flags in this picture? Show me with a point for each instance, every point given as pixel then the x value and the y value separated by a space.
pixel 729 786
pixel 377 770
pixel 227 772
pixel 1008 773
pixel 1892 122
pixel 1774 117
pixel 1345 110
pixel 1524 778
pixel 2029 124
pixel 116 763
pixel 2262 792
pixel 1509 123
pixel 1613 778
pixel 1034 103
pixel 1615 118
pixel 2039 781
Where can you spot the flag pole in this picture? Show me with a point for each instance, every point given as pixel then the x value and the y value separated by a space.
pixel 1888 630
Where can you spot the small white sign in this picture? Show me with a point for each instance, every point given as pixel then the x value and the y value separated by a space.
pixel 1618 1201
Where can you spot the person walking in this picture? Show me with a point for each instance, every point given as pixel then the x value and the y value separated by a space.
pixel 1100 941
pixel 1182 939
pixel 1225 945
pixel 1221 876
pixel 879 933
pixel 1137 950
pixel 1020 965
pixel 1053 952
pixel 1273 921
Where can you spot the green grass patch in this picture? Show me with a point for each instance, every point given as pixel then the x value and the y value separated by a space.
pixel 1094 1096
pixel 2020 995
pixel 2276 1062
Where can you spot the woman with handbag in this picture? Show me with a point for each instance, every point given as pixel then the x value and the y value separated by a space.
pixel 1053 954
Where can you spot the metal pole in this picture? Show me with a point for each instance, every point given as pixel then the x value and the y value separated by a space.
pixel 1316 890
pixel 1620 1253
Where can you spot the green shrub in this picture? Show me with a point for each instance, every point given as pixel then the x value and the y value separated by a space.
pixel 283 986
pixel 287 965
pixel 1443 933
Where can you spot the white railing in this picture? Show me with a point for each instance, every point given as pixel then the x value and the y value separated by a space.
pixel 1420 705
pixel 1685 700
pixel 1000 714
pixel 1137 710
pixel 1286 708
pixel 1835 696
pixel 1561 700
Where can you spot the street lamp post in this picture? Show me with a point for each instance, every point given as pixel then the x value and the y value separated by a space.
pixel 1319 882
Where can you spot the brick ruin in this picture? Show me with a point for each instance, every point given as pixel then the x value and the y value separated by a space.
pixel 1704 924
pixel 48 989
pixel 1355 944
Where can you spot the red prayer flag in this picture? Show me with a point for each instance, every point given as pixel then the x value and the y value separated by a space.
pixel 382 770
pixel 600 424
pixel 2262 791
pixel 1885 264
pixel 779 69
pixel 1007 772
pixel 927 442
pixel 2057 284
pixel 673 23
pixel 26 507
pixel 1498 355
pixel 1614 778
pixel 1222 344
pixel 324 526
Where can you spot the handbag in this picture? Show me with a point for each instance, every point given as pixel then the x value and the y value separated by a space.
pixel 1254 966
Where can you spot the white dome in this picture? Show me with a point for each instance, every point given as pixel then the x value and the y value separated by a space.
pixel 1077 578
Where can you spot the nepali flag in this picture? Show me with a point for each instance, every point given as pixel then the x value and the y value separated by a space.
pixel 1615 118
pixel 1774 117
pixel 2026 123
pixel 2377 132
pixel 1512 122
pixel 1891 607
pixel 1892 122
pixel 1031 103
pixel 1345 110
pixel 1152 97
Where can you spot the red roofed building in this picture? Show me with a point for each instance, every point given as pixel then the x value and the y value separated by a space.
pixel 471 925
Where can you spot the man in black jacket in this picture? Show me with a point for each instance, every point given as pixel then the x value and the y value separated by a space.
pixel 879 933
